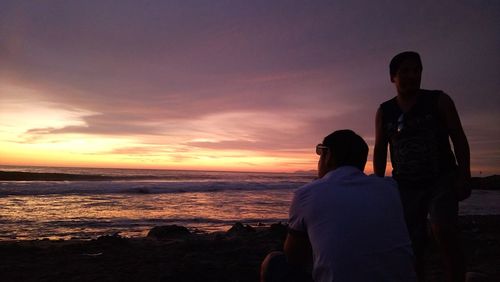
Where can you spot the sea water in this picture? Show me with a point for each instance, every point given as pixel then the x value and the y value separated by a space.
pixel 131 202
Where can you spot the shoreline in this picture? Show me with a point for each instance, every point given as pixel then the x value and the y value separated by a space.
pixel 491 182
pixel 176 254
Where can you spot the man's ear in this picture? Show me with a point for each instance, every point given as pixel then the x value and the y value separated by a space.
pixel 329 161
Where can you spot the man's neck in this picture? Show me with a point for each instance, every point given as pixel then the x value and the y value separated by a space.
pixel 406 100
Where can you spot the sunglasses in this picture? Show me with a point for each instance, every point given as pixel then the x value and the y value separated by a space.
pixel 320 149
pixel 401 122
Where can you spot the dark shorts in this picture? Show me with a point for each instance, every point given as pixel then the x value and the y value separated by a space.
pixel 434 201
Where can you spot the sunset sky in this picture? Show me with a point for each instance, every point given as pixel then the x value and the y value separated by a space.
pixel 230 85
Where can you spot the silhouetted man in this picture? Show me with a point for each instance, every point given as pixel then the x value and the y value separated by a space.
pixel 417 125
pixel 348 225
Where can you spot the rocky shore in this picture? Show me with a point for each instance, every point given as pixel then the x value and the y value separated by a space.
pixel 174 253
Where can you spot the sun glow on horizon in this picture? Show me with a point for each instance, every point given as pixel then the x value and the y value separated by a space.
pixel 190 161
pixel 34 131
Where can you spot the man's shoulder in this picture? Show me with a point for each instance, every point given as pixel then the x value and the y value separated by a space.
pixel 388 102
pixel 344 176
pixel 314 186
pixel 382 181
pixel 307 188
pixel 389 107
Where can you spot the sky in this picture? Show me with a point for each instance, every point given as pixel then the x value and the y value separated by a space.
pixel 230 85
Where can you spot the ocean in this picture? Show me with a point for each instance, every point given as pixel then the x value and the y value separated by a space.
pixel 130 202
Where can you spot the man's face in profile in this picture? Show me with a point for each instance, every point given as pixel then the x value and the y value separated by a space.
pixel 408 77
pixel 323 163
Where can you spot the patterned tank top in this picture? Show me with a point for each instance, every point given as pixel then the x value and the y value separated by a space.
pixel 418 139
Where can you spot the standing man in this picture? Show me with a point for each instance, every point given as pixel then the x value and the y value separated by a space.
pixel 347 225
pixel 417 125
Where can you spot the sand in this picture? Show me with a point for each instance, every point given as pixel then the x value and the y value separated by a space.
pixel 175 254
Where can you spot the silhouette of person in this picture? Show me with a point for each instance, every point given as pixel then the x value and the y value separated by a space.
pixel 348 225
pixel 417 124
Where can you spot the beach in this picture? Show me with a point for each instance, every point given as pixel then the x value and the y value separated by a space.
pixel 61 224
pixel 175 254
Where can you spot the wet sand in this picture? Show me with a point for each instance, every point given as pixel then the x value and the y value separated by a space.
pixel 175 254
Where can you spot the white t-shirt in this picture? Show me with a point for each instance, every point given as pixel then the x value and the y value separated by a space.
pixel 356 227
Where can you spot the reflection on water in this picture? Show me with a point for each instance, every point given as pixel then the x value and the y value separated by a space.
pixel 66 216
pixel 87 216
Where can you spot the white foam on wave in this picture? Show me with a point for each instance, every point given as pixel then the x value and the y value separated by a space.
pixel 134 187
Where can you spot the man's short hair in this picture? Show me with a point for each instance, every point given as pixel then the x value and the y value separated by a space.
pixel 347 148
pixel 400 58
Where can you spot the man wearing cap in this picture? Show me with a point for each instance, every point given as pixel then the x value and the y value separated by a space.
pixel 347 225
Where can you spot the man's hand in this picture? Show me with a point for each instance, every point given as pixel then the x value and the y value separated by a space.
pixel 462 188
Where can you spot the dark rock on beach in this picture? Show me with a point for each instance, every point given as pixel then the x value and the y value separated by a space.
pixel 112 239
pixel 239 229
pixel 168 232
pixel 174 253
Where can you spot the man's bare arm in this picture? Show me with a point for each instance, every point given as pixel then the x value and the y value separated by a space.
pixel 380 150
pixel 298 250
pixel 460 143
